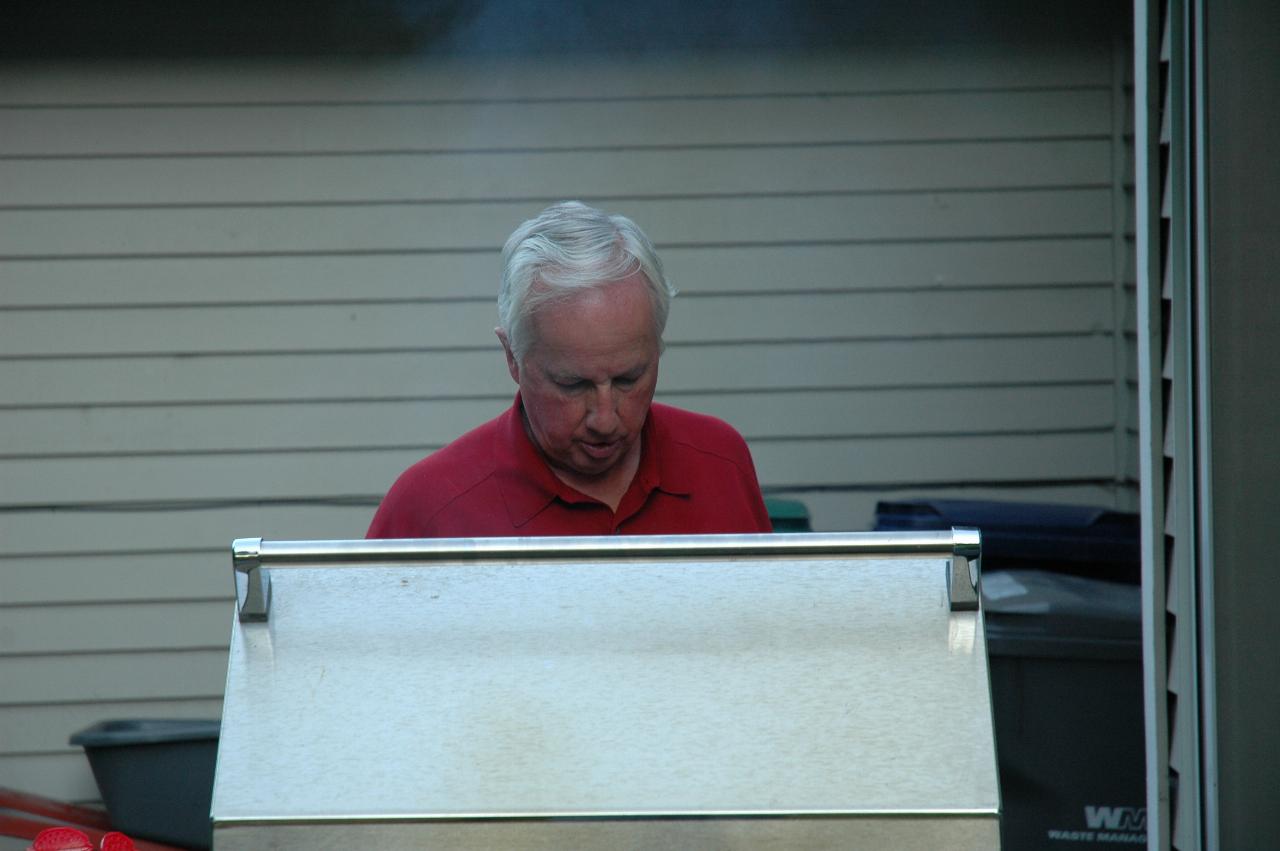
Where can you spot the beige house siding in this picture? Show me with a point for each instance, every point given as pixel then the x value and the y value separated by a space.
pixel 238 299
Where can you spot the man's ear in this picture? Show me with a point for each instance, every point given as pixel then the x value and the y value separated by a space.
pixel 513 366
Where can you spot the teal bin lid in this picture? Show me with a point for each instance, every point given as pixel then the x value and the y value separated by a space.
pixel 787 515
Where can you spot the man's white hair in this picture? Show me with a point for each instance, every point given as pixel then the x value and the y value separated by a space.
pixel 565 249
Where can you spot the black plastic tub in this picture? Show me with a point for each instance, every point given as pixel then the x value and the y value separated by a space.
pixel 155 776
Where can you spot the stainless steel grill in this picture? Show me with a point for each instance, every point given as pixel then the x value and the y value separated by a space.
pixel 725 691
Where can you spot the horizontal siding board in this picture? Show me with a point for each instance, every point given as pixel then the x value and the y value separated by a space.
pixel 924 216
pixel 64 776
pixel 153 479
pixel 46 728
pixel 238 329
pixel 481 177
pixel 904 461
pixel 412 79
pixel 244 280
pixel 99 627
pixel 255 427
pixel 914 362
pixel 212 428
pixel 697 270
pixel 87 677
pixel 911 412
pixel 1081 260
pixel 303 475
pixel 324 328
pixel 100 380
pixel 163 532
pixel 918 314
pixel 539 126
pixel 103 577
pixel 268 378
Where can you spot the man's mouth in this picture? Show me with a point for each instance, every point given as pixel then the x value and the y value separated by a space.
pixel 600 450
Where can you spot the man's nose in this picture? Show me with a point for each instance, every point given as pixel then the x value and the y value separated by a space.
pixel 602 409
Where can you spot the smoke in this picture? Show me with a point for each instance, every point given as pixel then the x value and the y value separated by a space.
pixel 62 28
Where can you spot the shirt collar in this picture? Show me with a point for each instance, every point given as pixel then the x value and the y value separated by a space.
pixel 658 470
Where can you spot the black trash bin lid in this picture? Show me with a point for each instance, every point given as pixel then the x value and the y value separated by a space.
pixel 1085 539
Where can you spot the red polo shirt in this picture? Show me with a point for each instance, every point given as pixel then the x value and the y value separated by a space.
pixel 695 477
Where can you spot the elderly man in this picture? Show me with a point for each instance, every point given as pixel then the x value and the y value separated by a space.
pixel 584 450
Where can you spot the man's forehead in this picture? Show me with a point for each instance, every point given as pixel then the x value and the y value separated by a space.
pixel 598 368
pixel 582 361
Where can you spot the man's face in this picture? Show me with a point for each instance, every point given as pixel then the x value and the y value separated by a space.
pixel 588 378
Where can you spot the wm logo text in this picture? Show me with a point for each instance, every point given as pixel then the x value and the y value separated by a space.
pixel 1133 819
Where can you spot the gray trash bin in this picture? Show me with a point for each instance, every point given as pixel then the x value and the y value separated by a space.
pixel 155 776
